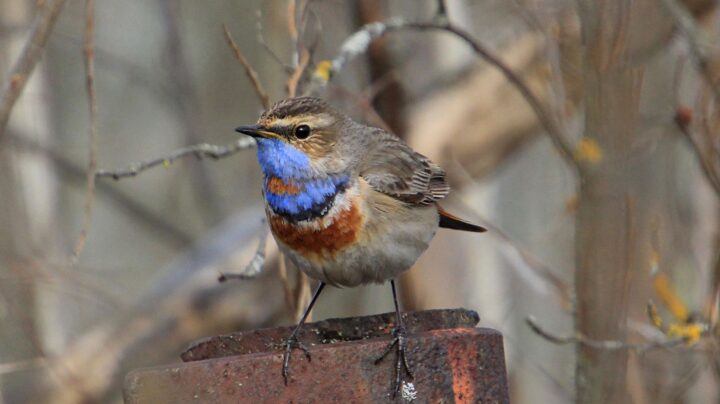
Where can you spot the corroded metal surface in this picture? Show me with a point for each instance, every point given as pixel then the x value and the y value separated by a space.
pixel 456 364
pixel 328 331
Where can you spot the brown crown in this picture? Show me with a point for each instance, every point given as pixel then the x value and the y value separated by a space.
pixel 295 107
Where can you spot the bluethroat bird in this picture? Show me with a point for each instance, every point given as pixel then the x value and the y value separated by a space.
pixel 348 204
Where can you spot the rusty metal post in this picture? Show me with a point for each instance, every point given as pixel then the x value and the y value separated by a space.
pixel 452 362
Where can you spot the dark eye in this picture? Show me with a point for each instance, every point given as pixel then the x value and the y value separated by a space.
pixel 302 132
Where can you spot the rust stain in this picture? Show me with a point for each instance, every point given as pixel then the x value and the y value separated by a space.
pixel 463 381
pixel 279 187
pixel 323 242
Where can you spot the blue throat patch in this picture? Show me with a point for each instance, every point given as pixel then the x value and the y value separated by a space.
pixel 317 193
pixel 281 160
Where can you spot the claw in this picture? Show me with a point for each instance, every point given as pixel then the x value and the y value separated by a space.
pixel 400 341
pixel 387 350
pixel 290 343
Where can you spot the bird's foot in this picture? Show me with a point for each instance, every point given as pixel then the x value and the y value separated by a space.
pixel 401 363
pixel 289 344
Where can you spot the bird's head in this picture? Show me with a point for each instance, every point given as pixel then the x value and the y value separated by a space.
pixel 298 137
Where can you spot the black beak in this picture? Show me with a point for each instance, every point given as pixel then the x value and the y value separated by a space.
pixel 250 130
pixel 257 131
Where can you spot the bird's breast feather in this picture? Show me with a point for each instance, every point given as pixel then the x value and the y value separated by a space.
pixel 323 237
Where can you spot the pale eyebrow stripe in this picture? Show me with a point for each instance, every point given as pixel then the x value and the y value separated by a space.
pixel 317 120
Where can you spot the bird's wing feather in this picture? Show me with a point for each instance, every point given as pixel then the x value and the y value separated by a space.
pixel 450 221
pixel 390 166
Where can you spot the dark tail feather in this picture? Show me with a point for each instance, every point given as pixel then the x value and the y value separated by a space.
pixel 449 221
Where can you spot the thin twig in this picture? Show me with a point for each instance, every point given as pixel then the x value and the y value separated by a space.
pixel 266 46
pixel 610 345
pixel 89 53
pixel 358 43
pixel 200 151
pixel 249 71
pixel 20 73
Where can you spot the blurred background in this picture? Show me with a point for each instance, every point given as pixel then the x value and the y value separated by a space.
pixel 583 134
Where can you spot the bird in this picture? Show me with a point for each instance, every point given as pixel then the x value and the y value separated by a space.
pixel 348 204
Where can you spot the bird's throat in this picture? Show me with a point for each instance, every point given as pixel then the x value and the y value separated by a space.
pixel 292 188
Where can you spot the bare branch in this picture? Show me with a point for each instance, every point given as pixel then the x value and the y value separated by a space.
pixel 200 151
pixel 249 71
pixel 89 52
pixel 610 345
pixel 358 43
pixel 18 76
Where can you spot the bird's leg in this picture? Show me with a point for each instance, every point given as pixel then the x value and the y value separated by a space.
pixel 293 342
pixel 399 341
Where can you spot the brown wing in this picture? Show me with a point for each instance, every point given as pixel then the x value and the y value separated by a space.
pixel 390 166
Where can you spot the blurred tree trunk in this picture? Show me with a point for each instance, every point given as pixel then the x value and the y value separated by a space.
pixel 28 202
pixel 616 191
